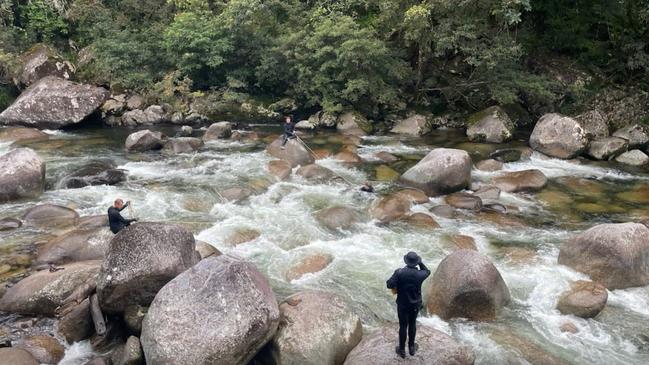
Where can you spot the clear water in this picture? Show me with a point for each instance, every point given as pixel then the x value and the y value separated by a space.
pixel 185 189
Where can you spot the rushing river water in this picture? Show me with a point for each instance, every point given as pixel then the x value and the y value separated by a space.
pixel 524 247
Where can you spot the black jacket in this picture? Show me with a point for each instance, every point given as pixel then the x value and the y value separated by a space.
pixel 407 281
pixel 116 221
pixel 289 128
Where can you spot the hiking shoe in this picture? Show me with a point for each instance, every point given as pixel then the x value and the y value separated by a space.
pixel 400 352
pixel 413 349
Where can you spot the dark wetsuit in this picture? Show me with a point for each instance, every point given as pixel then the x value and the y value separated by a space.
pixel 289 132
pixel 116 221
pixel 408 282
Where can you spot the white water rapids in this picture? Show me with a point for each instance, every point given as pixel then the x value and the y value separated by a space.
pixel 184 189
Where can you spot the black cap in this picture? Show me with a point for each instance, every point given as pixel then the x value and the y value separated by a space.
pixel 411 259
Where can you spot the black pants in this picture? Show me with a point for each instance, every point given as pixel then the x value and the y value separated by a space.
pixel 287 137
pixel 407 324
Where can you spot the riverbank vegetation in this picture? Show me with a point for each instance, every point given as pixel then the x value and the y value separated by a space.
pixel 378 57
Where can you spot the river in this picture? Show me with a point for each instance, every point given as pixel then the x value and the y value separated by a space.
pixel 185 189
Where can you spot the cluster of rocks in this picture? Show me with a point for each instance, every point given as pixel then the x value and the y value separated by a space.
pixel 132 111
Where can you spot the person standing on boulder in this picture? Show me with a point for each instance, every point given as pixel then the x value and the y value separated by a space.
pixel 407 282
pixel 289 130
pixel 115 219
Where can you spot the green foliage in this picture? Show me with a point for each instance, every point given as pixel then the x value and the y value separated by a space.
pixel 41 21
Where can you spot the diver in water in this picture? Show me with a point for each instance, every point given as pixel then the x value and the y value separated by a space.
pixel 289 130
pixel 115 219
pixel 407 282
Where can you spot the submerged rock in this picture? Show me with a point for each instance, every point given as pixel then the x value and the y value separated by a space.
pixel 506 155
pixel 294 152
pixel 442 171
pixel 45 349
pixel 22 134
pixel 435 347
pixel 22 175
pixel 50 216
pixel 391 208
pixel 559 136
pixel 422 220
pixel 221 311
pixel 489 165
pixel 280 169
pixel 337 217
pixel 42 292
pixel 8 224
pixel 466 284
pixel 315 172
pixel 94 173
pixel 584 299
pixel 612 254
pixel 78 245
pixel 237 194
pixel 463 200
pixel 526 180
pixel 308 265
pixel 491 125
pixel 53 102
pixel 141 259
pixel 183 144
pixel 16 356
pixel 145 140
pixel 317 328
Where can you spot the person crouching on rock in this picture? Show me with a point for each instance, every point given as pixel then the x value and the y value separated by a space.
pixel 407 282
pixel 289 130
pixel 115 220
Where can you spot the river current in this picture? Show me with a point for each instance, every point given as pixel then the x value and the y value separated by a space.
pixel 186 189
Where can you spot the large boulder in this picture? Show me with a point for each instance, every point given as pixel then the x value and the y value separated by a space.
pixel 435 348
pixel 635 134
pixel 41 61
pixel 559 136
pixel 607 148
pixel 594 124
pixel 442 171
pixel 78 245
pixel 337 217
pixel 219 312
pixel 585 299
pixel 294 152
pixel 22 134
pixel 42 292
pixel 415 125
pixel 76 324
pixel 145 140
pixel 94 173
pixel 22 175
pixel 280 169
pixel 153 114
pixel 16 356
pixel 391 208
pixel 615 255
pixel 45 349
pixel 220 130
pixel 54 103
pixel 466 284
pixel 526 180
pixel 491 125
pixel 50 216
pixel 317 328
pixel 141 259
pixel 633 158
pixel 353 123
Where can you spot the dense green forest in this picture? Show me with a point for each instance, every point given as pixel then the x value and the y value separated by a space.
pixel 374 56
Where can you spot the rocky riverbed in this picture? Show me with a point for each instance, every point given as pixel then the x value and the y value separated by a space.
pixel 288 234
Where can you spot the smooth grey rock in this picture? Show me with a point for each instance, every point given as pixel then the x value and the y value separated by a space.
pixel 41 61
pixel 607 148
pixel 53 102
pixel 635 134
pixel 615 255
pixel 491 125
pixel 337 217
pixel 466 284
pixel 220 130
pixel 517 181
pixel 22 175
pixel 141 259
pixel 219 312
pixel 144 140
pixel 50 216
pixel 435 348
pixel 584 299
pixel 78 245
pixel 294 152
pixel 633 158
pixel 442 171
pixel 559 136
pixel 415 125
pixel 317 328
pixel 183 144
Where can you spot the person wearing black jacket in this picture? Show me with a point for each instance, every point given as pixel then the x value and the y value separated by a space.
pixel 407 282
pixel 115 219
pixel 289 130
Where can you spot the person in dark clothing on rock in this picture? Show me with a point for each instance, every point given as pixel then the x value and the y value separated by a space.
pixel 407 282
pixel 289 130
pixel 115 219
pixel 367 187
